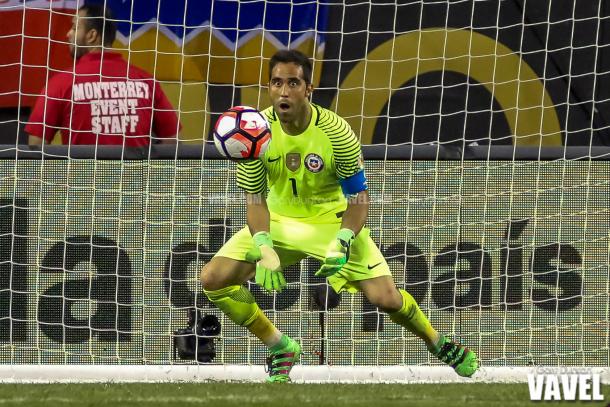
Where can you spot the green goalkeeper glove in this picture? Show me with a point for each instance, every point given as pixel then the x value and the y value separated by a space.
pixel 268 268
pixel 337 254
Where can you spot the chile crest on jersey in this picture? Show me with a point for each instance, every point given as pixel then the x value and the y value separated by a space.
pixel 314 162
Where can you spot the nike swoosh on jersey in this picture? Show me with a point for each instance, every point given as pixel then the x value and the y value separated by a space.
pixel 373 266
pixel 270 160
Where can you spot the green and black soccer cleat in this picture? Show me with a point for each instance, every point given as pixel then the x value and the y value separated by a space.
pixel 460 358
pixel 280 363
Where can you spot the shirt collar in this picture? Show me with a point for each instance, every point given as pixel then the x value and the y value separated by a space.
pixel 97 56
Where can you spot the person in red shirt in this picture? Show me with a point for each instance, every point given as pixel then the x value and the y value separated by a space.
pixel 105 100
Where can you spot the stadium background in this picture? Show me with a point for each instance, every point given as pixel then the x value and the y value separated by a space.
pixel 103 259
pixel 555 52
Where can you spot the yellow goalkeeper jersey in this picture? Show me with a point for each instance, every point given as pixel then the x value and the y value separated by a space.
pixel 302 172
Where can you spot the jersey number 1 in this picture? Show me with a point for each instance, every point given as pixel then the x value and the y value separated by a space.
pixel 294 186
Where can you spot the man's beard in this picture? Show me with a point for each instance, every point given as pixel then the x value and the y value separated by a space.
pixel 76 52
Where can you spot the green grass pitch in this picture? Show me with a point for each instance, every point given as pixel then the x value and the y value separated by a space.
pixel 286 395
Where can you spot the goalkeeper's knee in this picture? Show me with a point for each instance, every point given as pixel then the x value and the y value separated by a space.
pixel 236 302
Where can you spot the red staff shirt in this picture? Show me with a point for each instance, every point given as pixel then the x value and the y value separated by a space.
pixel 105 101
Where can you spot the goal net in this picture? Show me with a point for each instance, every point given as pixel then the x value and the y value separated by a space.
pixel 483 126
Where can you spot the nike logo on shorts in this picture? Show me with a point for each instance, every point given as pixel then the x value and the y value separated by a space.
pixel 373 266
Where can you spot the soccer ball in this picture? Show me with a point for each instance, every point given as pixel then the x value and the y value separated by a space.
pixel 242 133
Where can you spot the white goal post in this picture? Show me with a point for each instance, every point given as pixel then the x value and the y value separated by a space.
pixel 255 373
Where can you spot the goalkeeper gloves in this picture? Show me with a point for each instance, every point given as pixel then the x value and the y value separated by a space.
pixel 268 271
pixel 337 254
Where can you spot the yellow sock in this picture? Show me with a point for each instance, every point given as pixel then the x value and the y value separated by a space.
pixel 264 329
pixel 412 318
pixel 237 303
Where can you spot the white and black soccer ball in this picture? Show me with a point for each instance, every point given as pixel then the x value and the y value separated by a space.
pixel 242 133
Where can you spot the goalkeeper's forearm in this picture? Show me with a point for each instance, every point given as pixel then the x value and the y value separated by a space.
pixel 257 213
pixel 356 213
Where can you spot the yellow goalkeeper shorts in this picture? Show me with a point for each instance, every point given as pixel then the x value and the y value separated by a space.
pixel 293 240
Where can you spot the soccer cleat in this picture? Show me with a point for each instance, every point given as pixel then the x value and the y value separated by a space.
pixel 460 358
pixel 281 362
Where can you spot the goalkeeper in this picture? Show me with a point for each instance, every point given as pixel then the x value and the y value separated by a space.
pixel 316 206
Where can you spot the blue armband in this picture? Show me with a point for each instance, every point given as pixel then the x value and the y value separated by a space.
pixel 354 184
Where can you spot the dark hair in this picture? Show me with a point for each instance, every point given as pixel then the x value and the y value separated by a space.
pixel 99 18
pixel 295 57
